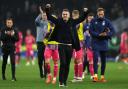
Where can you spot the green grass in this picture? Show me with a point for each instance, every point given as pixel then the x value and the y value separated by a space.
pixel 28 78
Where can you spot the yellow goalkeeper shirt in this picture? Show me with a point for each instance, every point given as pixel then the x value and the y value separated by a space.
pixel 80 32
pixel 46 40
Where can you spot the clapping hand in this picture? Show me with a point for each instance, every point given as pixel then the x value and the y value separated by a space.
pixel 85 9
pixel 103 34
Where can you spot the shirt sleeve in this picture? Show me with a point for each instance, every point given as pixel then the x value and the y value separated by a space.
pixel 111 28
pixel 4 36
pixel 51 18
pixel 38 20
pixel 92 30
pixel 15 37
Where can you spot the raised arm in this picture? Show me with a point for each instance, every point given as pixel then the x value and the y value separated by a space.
pixel 49 16
pixel 38 20
pixel 39 17
pixel 82 17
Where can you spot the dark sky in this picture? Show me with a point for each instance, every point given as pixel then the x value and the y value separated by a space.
pixel 59 3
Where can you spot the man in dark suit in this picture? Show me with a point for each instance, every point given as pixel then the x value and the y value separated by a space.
pixel 66 34
pixel 8 37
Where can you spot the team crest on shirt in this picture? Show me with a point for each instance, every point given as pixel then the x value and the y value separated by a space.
pixel 87 27
pixel 103 23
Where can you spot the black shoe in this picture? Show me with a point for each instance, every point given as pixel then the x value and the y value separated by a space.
pixel 65 85
pixel 13 79
pixel 41 76
pixel 61 84
pixel 45 76
pixel 3 78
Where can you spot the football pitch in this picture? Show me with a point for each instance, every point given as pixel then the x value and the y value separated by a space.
pixel 28 78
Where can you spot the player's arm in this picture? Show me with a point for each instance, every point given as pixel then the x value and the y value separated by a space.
pixel 49 33
pixel 92 30
pixel 111 29
pixel 25 40
pixel 21 38
pixel 4 35
pixel 108 31
pixel 82 17
pixel 38 20
pixel 122 39
pixel 34 39
pixel 14 35
pixel 49 16
pixel 40 9
pixel 85 28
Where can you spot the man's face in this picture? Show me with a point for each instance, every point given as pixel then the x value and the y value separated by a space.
pixel 65 15
pixel 90 18
pixel 9 23
pixel 44 16
pixel 75 16
pixel 100 14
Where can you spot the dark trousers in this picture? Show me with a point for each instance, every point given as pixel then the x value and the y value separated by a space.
pixel 102 55
pixel 6 53
pixel 41 60
pixel 65 53
pixel 86 64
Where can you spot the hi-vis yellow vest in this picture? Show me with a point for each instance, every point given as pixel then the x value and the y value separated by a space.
pixel 80 32
pixel 46 40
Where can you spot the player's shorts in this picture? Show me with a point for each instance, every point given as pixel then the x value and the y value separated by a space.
pixel 50 53
pixel 18 49
pixel 89 54
pixel 78 55
pixel 29 53
pixel 123 50
pixel 17 54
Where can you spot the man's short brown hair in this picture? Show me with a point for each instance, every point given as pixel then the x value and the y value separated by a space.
pixel 66 10
pixel 9 19
pixel 100 9
pixel 91 14
pixel 75 11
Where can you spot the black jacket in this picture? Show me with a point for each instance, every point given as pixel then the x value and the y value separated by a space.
pixel 8 41
pixel 65 32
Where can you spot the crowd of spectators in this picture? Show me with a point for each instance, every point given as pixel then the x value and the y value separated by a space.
pixel 24 12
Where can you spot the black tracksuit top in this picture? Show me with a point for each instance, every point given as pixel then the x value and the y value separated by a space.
pixel 65 32
pixel 8 40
